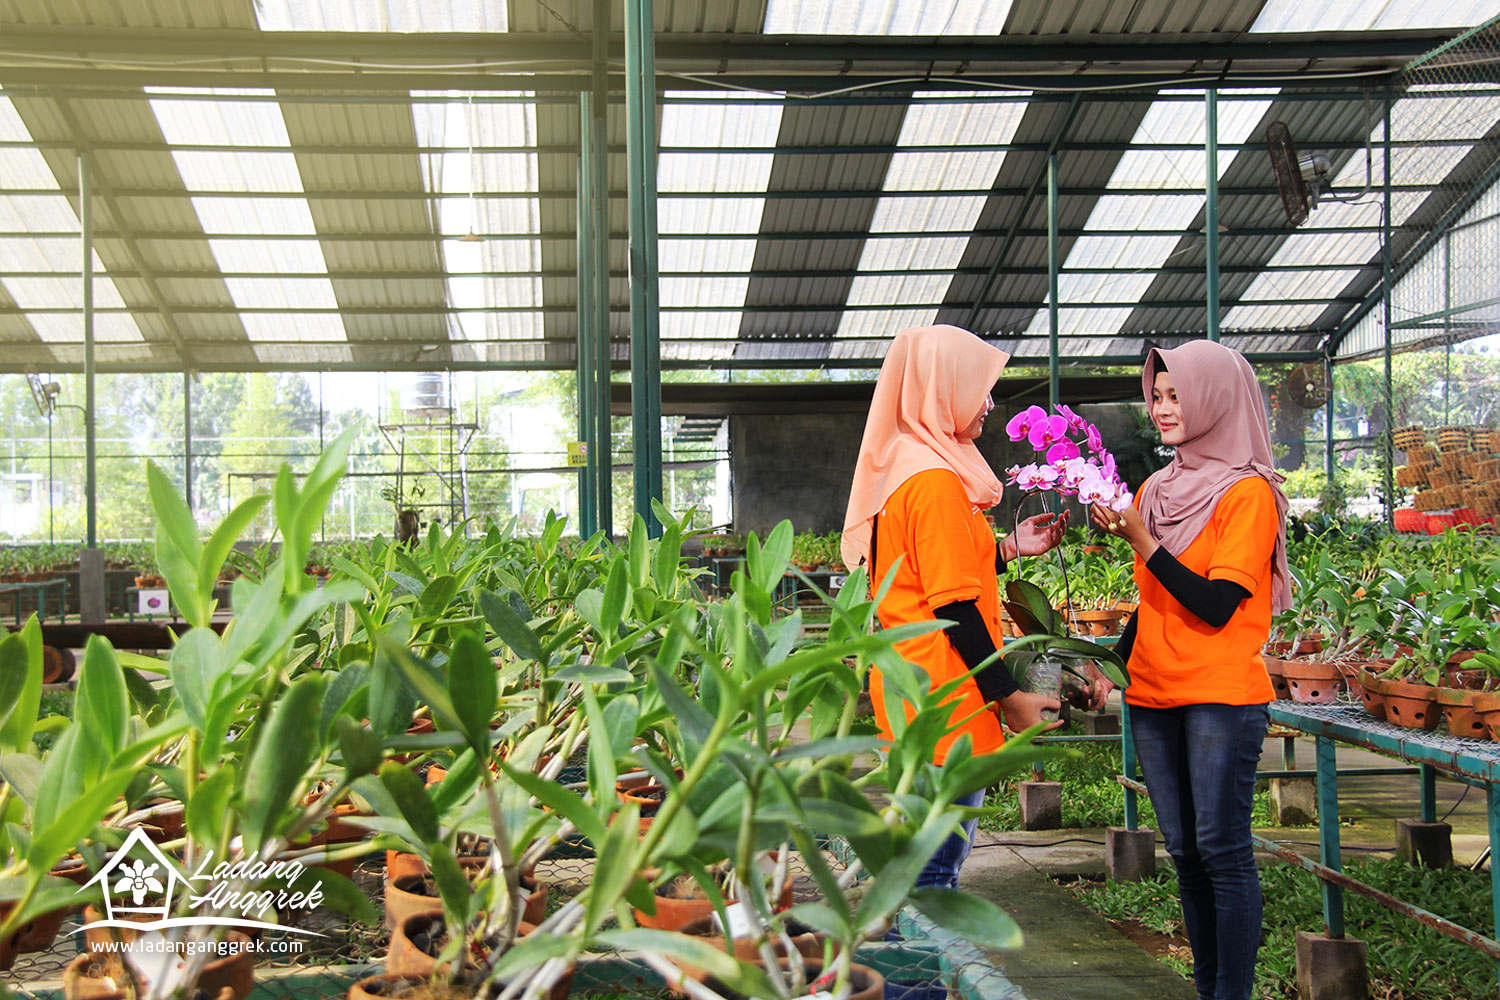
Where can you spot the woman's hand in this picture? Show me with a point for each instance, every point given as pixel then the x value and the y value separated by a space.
pixel 1126 524
pixel 1095 693
pixel 1020 710
pixel 1035 535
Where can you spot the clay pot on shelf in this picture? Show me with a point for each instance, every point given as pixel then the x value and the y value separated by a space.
pixel 1487 707
pixel 865 982
pixel 1278 680
pixel 405 895
pixel 1414 706
pixel 234 972
pixel 415 944
pixel 674 913
pixel 1457 706
pixel 1371 689
pixel 1311 682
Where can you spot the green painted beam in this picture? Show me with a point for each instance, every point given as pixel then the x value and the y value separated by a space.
pixel 1211 211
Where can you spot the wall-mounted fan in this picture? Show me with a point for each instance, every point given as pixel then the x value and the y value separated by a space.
pixel 1310 385
pixel 1300 179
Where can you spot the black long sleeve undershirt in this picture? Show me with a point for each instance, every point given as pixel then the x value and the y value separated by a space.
pixel 1213 602
pixel 972 640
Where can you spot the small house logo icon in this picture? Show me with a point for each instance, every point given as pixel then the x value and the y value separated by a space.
pixel 129 881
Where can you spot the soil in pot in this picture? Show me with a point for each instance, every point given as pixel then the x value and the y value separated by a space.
pixel 1312 683
pixel 1412 705
pixel 99 976
pixel 1457 706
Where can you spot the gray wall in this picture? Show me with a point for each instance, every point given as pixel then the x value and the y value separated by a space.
pixel 798 466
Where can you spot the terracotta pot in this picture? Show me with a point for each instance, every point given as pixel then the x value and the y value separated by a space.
pixel 649 797
pixel 1487 705
pixel 1371 690
pixel 401 902
pixel 58 664
pixel 234 972
pixel 1412 705
pixel 1457 705
pixel 865 982
pixel 807 945
pixel 1097 622
pixel 1311 682
pixel 1278 680
pixel 383 986
pixel 420 966
pixel 674 914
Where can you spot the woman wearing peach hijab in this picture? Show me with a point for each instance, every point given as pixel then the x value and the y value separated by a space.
pixel 1209 533
pixel 916 504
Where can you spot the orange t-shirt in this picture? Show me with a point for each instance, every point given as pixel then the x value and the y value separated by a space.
pixel 947 552
pixel 1178 659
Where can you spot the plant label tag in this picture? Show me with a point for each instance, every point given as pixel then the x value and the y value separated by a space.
pixel 151 601
pixel 836 582
pixel 740 925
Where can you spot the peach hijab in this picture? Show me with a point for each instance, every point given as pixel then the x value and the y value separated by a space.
pixel 931 386
pixel 1226 439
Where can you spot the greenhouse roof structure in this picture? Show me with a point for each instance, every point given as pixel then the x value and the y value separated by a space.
pixel 393 184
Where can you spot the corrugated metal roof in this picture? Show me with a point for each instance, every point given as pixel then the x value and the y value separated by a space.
pixel 236 223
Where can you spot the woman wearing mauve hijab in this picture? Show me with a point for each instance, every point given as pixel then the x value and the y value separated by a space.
pixel 1209 534
pixel 916 504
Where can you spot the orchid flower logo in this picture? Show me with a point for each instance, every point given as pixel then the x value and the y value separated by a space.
pixel 138 879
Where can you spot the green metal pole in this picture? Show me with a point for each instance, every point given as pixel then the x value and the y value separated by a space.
pixel 1329 470
pixel 1328 833
pixel 588 489
pixel 1492 801
pixel 1447 322
pixel 1211 210
pixel 645 344
pixel 1053 374
pixel 1387 456
pixel 1127 760
pixel 603 359
pixel 86 225
pixel 187 438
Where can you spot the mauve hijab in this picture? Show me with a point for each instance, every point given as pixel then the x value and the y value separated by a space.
pixel 932 385
pixel 1226 439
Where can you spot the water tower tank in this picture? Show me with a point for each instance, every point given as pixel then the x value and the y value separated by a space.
pixel 426 397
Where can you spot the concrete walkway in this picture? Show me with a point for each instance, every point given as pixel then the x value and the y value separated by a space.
pixel 1071 953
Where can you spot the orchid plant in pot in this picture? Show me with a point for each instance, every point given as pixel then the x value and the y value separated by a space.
pixel 1073 463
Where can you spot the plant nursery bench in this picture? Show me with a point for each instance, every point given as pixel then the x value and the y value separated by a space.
pixel 1474 762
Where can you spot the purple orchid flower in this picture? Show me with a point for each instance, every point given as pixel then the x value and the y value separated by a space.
pixel 1062 452
pixel 1075 422
pixel 1019 426
pixel 1047 432
pixel 1093 439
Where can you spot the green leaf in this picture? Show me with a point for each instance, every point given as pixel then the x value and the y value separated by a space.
pixel 893 882
pixel 972 918
pixel 823 816
pixel 360 747
pixel 1034 600
pixel 21 654
pixel 616 597
pixel 668 558
pixel 566 803
pixel 588 673
pixel 211 559
pixel 336 699
pixel 208 807
pixel 75 821
pixel 196 664
pixel 101 704
pixel 472 687
pixel 23 772
pixel 453 887
pixel 412 799
pixel 531 951
pixel 281 759
pixel 510 627
pixel 438 594
pixel 738 976
pixel 428 685
pixel 691 718
pixel 621 716
pixel 612 872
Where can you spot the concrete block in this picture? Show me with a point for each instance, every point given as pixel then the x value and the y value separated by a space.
pixel 1427 844
pixel 1100 724
pixel 1331 968
pixel 1041 805
pixel 1294 801
pixel 1129 855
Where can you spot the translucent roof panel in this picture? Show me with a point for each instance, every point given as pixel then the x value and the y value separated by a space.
pixel 915 169
pixel 1363 15
pixel 224 121
pixel 1412 119
pixel 1139 257
pixel 474 269
pixel 381 15
pixel 48 213
pixel 688 123
pixel 886 17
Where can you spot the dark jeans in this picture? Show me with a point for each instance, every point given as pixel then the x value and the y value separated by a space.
pixel 1199 762
pixel 942 870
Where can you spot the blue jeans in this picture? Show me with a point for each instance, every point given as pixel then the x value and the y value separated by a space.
pixel 1199 762
pixel 942 870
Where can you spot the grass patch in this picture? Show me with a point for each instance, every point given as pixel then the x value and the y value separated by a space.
pixel 59 702
pixel 1091 795
pixel 1406 961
